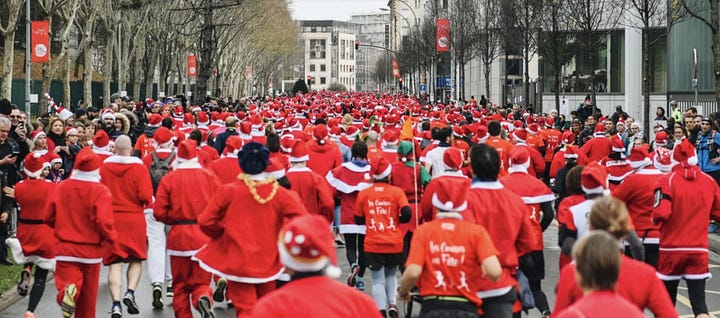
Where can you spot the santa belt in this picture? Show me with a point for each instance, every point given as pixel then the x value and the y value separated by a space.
pixel 184 222
pixel 447 298
pixel 30 221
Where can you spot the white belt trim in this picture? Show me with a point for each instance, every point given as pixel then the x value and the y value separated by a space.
pixel 651 240
pixel 182 253
pixel 352 228
pixel 239 279
pixel 494 292
pixel 74 259
pixel 684 276
pixel 684 249
pixel 539 199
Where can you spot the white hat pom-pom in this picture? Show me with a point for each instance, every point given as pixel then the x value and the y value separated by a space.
pixel 36 155
pixel 333 271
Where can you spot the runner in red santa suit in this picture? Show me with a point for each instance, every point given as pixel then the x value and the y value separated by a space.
pixel 598 147
pixel 182 194
pixel 616 165
pixel 306 249
pixel 129 181
pixel 537 164
pixel 347 180
pixel 504 215
pixel 226 168
pixel 637 191
pixel 324 155
pixel 448 287
pixel 453 159
pixel 243 220
pixel 35 243
pixel 685 199
pixel 312 188
pixel 81 213
pixel 539 199
pixel 637 282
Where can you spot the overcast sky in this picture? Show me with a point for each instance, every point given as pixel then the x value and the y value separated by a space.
pixel 333 9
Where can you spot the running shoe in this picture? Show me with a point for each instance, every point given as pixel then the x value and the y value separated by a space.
pixel 169 290
pixel 351 280
pixel 68 301
pixel 360 285
pixel 116 312
pixel 393 311
pixel 132 307
pixel 157 296
pixel 219 293
pixel 23 286
pixel 205 307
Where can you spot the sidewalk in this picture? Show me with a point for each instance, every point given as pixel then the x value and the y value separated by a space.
pixel 714 243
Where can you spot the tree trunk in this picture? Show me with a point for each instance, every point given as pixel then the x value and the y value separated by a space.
pixel 107 65
pixel 715 46
pixel 556 85
pixel 66 82
pixel 486 73
pixel 526 60
pixel 137 65
pixel 646 79
pixel 87 75
pixel 593 85
pixel 7 72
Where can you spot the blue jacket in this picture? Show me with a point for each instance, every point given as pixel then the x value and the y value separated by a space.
pixel 702 146
pixel 222 138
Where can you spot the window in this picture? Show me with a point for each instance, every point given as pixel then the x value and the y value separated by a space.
pixel 323 67
pixel 317 48
pixel 322 80
pixel 312 67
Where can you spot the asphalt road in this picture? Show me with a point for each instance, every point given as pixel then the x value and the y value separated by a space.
pixel 48 307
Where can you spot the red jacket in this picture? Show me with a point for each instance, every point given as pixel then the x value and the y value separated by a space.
pixel 537 163
pixel 533 192
pixel 637 283
pixel 36 237
pixel 637 193
pixel 597 148
pixel 323 158
pixel 427 210
pixel 226 169
pixel 313 190
pixel 181 196
pixel 129 181
pixel 608 303
pixel 245 231
pixel 347 180
pixel 558 161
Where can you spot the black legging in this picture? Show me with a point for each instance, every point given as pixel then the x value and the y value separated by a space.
pixel 696 291
pixel 38 288
pixel 406 249
pixel 354 250
pixel 541 302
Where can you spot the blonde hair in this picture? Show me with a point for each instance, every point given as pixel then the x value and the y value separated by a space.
pixel 611 215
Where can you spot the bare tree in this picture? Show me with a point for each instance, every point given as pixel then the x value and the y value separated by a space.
pixel 593 20
pixel 557 43
pixel 463 37
pixel 9 16
pixel 86 23
pixel 524 27
pixel 488 25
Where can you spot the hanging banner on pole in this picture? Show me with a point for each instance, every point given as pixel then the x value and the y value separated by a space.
pixel 40 41
pixel 395 68
pixel 443 35
pixel 192 65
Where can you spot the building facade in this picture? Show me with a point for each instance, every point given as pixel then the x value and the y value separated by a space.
pixel 329 50
pixel 373 29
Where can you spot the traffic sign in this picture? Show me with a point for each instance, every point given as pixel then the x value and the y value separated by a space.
pixel 423 87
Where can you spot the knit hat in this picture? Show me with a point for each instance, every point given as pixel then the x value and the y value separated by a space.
pixel 299 152
pixel 305 244
pixel 34 164
pixel 520 135
pixel 617 144
pixel 380 168
pixel 594 179
pixel 233 145
pixel 453 158
pixel 519 159
pixel 275 168
pixel 639 158
pixel 164 137
pixel 253 158
pixel 320 133
pixel 5 106
pixel 684 153
pixel 87 161
pixel 661 138
pixel 154 120
pixel 101 140
pixel 599 131
pixel 35 134
pixel 571 152
pixel 187 150
pixel 447 198
pixel 405 150
pixel 662 160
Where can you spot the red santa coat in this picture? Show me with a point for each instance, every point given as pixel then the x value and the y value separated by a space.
pixel 637 283
pixel 323 158
pixel 347 180
pixel 207 155
pixel 244 230
pixel 504 215
pixel 182 194
pixel 617 171
pixel 608 303
pixel 694 198
pixel 597 148
pixel 552 137
pixel 36 237
pixel 558 161
pixel 390 155
pixel 533 193
pixel 458 181
pixel 565 218
pixel 129 181
pixel 314 191
pixel 637 193
pixel 226 169
pixel 315 296
pixel 80 211
pixel 537 163
pixel 281 157
pixel 402 176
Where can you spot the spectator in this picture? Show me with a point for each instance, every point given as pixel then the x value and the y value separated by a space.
pixel 708 149
pixel 660 114
pixel 619 113
pixel 676 113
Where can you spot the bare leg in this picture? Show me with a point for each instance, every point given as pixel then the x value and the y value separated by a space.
pixel 115 281
pixel 133 274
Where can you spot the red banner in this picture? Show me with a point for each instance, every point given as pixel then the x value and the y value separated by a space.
pixel 395 68
pixel 40 41
pixel 192 66
pixel 443 35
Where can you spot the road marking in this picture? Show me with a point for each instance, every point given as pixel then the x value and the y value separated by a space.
pixel 714 266
pixel 706 291
pixel 684 300
pixel 713 314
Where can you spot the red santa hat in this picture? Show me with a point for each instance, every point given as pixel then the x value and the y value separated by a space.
pixel 599 131
pixel 390 138
pixel 87 166
pixel 286 142
pixel 549 122
pixel 232 145
pixel 639 158
pixel 320 133
pixel 380 168
pixel 55 158
pixel 594 179
pixel 164 137
pixel 154 120
pixel 63 113
pixel 568 137
pixel 662 160
pixel 621 121
pixel 178 112
pixel 246 130
pixel 101 140
pixel 617 144
pixel 203 119
pixel 187 151
pixel 306 245
pixel 447 198
pixel 661 138
pixel 533 128
pixel 482 134
pixel 520 135
pixel 519 159
pixel 299 151
pixel 684 153
pixel 35 134
pixel 275 168
pixel 34 164
pixel 453 158
pixel 351 132
pixel 108 113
